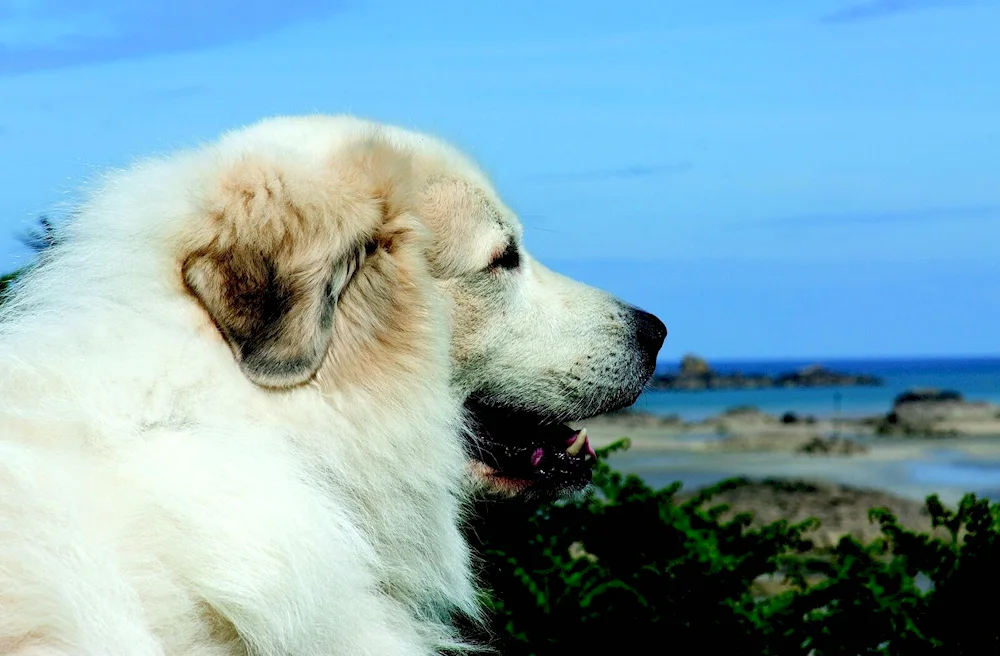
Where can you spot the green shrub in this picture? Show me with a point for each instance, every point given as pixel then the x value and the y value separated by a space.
pixel 5 282
pixel 625 565
pixel 38 239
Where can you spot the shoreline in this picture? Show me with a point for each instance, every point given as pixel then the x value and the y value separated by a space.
pixel 780 482
pixel 746 442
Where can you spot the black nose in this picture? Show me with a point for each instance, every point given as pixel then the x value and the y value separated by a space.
pixel 649 331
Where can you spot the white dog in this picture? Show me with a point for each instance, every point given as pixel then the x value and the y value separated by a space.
pixel 242 395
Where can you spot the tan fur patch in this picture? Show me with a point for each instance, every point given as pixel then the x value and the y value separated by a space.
pixel 281 243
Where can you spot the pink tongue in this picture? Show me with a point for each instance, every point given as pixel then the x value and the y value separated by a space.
pixel 536 456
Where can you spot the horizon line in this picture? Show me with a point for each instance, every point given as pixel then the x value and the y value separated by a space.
pixel 838 358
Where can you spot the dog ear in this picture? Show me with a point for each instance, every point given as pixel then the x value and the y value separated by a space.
pixel 278 320
pixel 284 243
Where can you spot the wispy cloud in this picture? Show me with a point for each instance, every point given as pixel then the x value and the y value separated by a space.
pixel 625 172
pixel 875 9
pixel 880 217
pixel 48 34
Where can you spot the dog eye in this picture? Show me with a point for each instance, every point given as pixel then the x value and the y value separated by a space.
pixel 509 259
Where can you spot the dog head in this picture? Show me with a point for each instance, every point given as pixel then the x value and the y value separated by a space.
pixel 532 349
pixel 345 254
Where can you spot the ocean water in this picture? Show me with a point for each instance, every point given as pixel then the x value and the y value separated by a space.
pixel 977 379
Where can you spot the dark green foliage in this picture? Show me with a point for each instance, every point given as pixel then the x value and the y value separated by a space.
pixel 959 616
pixel 42 237
pixel 5 282
pixel 625 565
pixel 38 239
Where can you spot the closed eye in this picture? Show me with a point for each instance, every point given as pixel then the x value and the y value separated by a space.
pixel 509 259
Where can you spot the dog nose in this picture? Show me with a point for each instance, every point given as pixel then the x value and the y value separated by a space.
pixel 649 331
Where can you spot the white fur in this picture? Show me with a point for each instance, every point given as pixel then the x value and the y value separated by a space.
pixel 149 491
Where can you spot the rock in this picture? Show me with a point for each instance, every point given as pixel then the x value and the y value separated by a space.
pixel 926 412
pixel 692 365
pixel 926 394
pixel 891 426
pixel 745 412
pixel 832 446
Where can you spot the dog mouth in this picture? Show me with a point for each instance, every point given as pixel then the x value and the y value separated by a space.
pixel 522 453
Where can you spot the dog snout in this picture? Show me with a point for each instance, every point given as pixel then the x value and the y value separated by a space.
pixel 649 332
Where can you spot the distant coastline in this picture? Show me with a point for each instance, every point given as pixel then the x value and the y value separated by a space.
pixel 978 379
pixel 696 375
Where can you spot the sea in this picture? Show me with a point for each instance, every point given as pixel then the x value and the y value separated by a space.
pixel 977 379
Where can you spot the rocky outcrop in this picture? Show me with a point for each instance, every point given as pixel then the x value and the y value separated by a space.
pixel 692 365
pixel 928 406
pixel 933 412
pixel 695 374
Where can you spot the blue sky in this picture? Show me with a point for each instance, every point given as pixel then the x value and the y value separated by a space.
pixel 773 178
